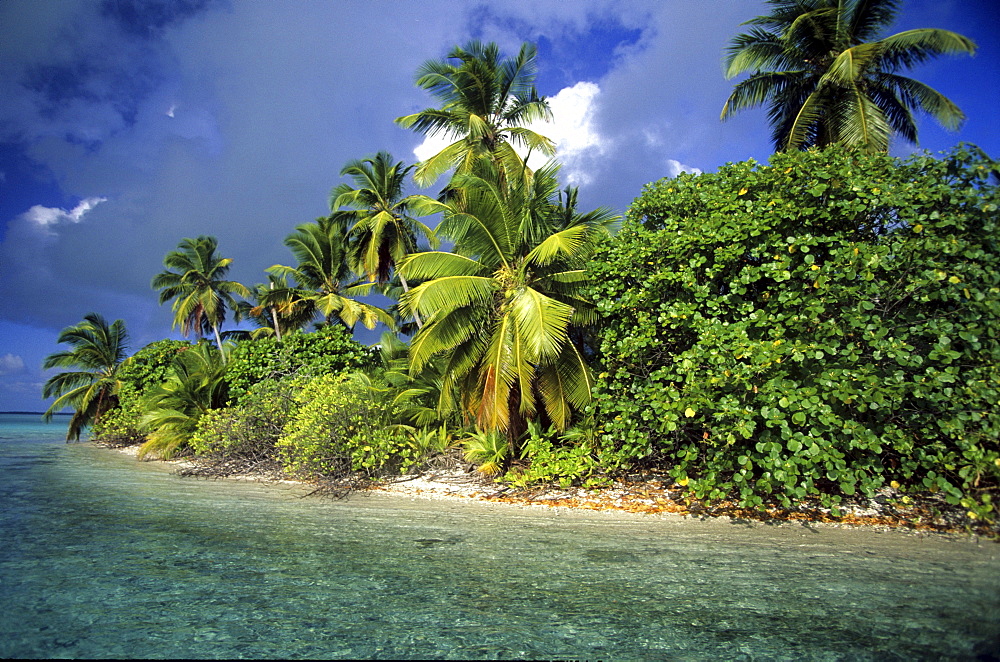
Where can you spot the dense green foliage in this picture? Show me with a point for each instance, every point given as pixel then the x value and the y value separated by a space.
pixel 824 324
pixel 195 384
pixel 329 349
pixel 340 425
pixel 141 372
pixel 818 327
pixel 251 428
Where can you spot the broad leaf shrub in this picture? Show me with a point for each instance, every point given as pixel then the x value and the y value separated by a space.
pixel 340 425
pixel 329 349
pixel 145 369
pixel 823 325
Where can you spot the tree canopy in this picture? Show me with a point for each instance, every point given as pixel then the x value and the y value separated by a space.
pixel 828 76
pixel 486 101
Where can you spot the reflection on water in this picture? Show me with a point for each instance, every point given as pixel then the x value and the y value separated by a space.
pixel 101 557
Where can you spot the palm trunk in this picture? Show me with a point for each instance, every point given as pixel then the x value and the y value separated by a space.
pixel 218 341
pixel 406 288
pixel 517 425
pixel 274 318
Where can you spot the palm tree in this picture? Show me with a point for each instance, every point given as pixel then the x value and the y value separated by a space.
pixel 485 103
pixel 98 350
pixel 326 285
pixel 383 225
pixel 499 310
pixel 277 308
pixel 196 383
pixel 827 77
pixel 198 287
pixel 418 397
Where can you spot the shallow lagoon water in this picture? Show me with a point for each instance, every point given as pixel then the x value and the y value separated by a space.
pixel 101 556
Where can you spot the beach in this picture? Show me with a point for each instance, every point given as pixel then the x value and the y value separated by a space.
pixel 655 497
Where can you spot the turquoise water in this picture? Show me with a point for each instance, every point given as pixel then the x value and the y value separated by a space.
pixel 101 556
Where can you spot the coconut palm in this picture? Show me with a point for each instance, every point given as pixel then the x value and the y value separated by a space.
pixel 198 287
pixel 417 396
pixel 500 309
pixel 383 227
pixel 277 308
pixel 324 280
pixel 827 76
pixel 98 350
pixel 486 102
pixel 382 220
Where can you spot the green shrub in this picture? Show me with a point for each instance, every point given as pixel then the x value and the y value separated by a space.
pixel 171 410
pixel 342 426
pixel 250 428
pixel 328 350
pixel 488 449
pixel 553 460
pixel 822 325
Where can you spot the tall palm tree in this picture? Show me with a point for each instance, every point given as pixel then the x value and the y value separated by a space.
pixel 98 350
pixel 500 310
pixel 827 77
pixel 198 287
pixel 324 278
pixel 485 103
pixel 382 219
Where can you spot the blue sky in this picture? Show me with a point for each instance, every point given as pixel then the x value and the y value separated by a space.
pixel 126 126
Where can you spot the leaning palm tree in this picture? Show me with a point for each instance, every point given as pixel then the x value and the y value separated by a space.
pixel 827 76
pixel 324 279
pixel 486 102
pixel 383 222
pixel 195 280
pixel 98 350
pixel 500 310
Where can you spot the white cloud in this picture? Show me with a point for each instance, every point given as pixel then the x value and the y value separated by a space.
pixel 11 364
pixel 574 131
pixel 675 167
pixel 46 218
pixel 431 146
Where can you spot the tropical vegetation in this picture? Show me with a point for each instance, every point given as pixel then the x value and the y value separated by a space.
pixel 486 103
pixel 823 325
pixel 828 76
pixel 326 287
pixel 817 327
pixel 195 279
pixel 97 351
pixel 502 307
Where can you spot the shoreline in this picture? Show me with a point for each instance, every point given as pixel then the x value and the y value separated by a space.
pixel 651 498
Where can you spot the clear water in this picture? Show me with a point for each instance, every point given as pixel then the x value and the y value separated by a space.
pixel 101 556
